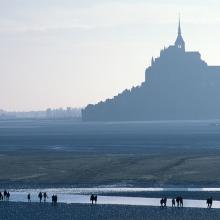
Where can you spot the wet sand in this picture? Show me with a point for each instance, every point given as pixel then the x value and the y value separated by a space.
pixel 36 211
pixel 148 169
pixel 153 154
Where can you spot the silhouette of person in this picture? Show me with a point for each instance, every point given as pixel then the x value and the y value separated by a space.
pixel 92 198
pixel 5 194
pixel 55 200
pixel 173 202
pixel 29 197
pixel 209 202
pixel 8 196
pixel 40 196
pixel 178 201
pixel 45 196
pixel 165 201
pixel 95 198
pixel 181 201
pixel 161 203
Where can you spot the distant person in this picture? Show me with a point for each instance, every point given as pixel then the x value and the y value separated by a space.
pixel 29 197
pixel 92 198
pixel 209 202
pixel 5 194
pixel 55 200
pixel 165 201
pixel 8 195
pixel 178 201
pixel 161 203
pixel 40 196
pixel 45 196
pixel 181 201
pixel 95 198
pixel 173 202
pixel 1 196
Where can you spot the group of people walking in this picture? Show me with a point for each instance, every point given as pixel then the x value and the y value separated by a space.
pixel 163 202
pixel 44 196
pixel 5 195
pixel 93 198
pixel 175 201
pixel 178 201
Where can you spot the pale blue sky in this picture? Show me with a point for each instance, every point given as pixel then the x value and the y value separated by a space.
pixel 57 53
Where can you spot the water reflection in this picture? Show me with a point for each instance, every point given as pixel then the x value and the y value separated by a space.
pixel 78 195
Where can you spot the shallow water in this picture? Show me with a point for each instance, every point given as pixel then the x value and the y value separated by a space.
pixel 121 137
pixel 77 195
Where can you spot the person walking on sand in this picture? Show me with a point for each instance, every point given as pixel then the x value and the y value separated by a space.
pixel 5 194
pixel 45 196
pixel 178 201
pixel 8 195
pixel 209 202
pixel 210 206
pixel 95 198
pixel 165 201
pixel 55 200
pixel 52 200
pixel 161 203
pixel 92 198
pixel 173 202
pixel 181 201
pixel 40 196
pixel 29 197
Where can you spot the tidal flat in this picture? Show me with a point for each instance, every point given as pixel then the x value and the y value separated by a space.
pixel 63 152
pixel 149 169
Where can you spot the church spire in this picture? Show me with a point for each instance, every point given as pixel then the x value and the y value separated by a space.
pixel 179 43
pixel 179 27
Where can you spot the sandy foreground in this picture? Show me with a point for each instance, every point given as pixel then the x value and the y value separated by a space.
pixel 35 211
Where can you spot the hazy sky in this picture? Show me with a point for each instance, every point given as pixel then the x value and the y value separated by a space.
pixel 57 53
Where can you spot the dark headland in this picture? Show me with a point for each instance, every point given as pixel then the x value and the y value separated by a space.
pixel 178 85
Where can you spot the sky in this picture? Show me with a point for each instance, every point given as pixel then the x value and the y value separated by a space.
pixel 59 53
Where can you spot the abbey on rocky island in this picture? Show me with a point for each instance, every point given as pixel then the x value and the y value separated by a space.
pixel 178 85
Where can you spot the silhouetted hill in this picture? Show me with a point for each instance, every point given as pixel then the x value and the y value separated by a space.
pixel 178 85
